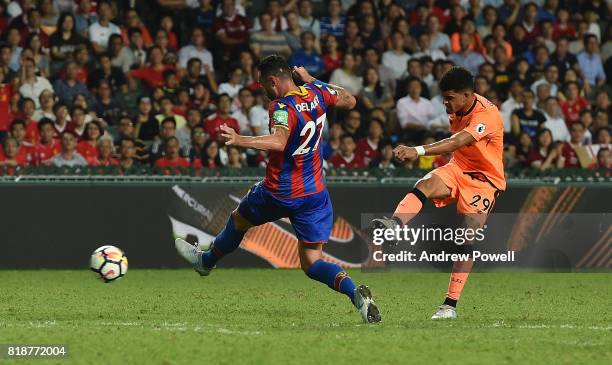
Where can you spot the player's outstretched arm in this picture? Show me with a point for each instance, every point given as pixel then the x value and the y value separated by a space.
pixel 345 99
pixel 447 145
pixel 272 142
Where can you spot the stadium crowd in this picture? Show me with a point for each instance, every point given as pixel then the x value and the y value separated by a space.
pixel 134 83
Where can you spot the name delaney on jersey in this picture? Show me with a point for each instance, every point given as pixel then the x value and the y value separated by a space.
pixel 424 256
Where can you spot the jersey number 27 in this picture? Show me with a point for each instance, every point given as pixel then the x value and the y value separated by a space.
pixel 311 129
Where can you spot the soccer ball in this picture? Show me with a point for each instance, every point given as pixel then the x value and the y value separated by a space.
pixel 109 263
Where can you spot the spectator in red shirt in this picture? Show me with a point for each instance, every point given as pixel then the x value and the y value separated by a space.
pixel 77 124
pixel 132 20
pixel 212 125
pixel 368 146
pixel 88 147
pixel 385 160
pixel 25 149
pixel 33 27
pixel 172 157
pixel 544 154
pixel 230 29
pixel 61 118
pixel 569 156
pixel 48 146
pixel 346 158
pixel 158 148
pixel 6 96
pixel 28 108
pixel 604 160
pixel 105 153
pixel 10 154
pixel 152 74
pixel 574 103
pixel 563 27
pixel 81 57
pixel 210 155
pixel 332 57
pixel 167 25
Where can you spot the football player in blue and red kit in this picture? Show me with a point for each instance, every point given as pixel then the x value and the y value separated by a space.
pixel 294 186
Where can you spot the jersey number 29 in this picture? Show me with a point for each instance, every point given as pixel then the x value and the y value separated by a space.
pixel 311 129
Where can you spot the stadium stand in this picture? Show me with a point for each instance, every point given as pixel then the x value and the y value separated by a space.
pixel 137 87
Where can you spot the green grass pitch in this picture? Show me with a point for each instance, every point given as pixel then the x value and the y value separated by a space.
pixel 281 317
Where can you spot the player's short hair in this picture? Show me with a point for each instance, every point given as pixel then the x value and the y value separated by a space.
pixel 457 79
pixel 274 65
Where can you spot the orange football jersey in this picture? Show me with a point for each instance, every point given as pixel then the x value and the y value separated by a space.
pixel 484 122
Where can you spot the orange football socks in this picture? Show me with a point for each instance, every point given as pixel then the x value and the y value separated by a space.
pixel 458 278
pixel 409 206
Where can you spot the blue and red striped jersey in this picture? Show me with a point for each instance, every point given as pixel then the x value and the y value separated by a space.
pixel 298 170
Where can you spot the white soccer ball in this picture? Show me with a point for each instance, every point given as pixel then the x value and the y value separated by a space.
pixel 109 263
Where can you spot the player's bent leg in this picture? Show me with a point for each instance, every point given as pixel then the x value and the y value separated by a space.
pixel 311 261
pixel 226 241
pixel 429 187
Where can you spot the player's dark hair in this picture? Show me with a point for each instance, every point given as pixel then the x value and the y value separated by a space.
pixel 457 79
pixel 274 65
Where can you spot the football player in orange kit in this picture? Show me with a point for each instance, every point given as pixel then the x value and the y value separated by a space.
pixel 472 179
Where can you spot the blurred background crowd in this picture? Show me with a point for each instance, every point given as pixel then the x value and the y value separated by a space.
pixel 149 83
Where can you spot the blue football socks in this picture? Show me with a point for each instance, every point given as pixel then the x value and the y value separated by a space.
pixel 227 241
pixel 333 276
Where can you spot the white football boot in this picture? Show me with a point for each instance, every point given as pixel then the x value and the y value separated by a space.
pixel 192 254
pixel 445 311
pixel 365 305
